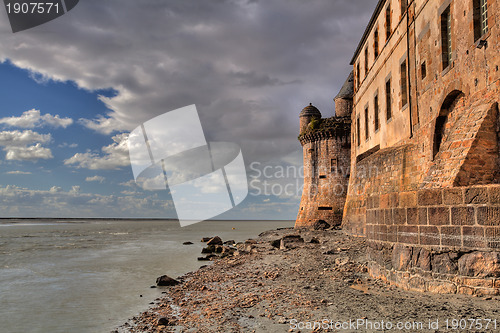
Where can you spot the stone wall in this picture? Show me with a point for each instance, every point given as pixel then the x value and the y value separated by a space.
pixel 442 240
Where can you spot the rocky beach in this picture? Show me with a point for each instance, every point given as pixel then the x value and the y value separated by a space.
pixel 289 280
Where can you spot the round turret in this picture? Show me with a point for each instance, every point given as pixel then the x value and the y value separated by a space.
pixel 307 114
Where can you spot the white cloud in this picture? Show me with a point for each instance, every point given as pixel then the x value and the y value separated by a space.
pixel 68 145
pixel 55 189
pixel 18 201
pixel 103 125
pixel 22 138
pixel 99 179
pixel 33 118
pixel 30 153
pixel 75 189
pixel 25 145
pixel 115 156
pixel 17 172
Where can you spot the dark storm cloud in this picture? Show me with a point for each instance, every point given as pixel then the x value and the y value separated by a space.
pixel 249 66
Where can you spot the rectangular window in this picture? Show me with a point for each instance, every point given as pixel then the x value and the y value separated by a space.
pixel 404 85
pixel 388 100
pixel 388 28
pixel 367 132
pixel 366 62
pixel 358 131
pixel 446 38
pixel 480 11
pixel 334 165
pixel 358 72
pixel 404 7
pixel 376 115
pixel 423 70
pixel 375 43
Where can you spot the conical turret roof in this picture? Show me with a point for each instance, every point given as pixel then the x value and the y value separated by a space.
pixel 310 110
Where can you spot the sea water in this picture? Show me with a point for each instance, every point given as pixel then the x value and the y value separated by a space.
pixel 89 275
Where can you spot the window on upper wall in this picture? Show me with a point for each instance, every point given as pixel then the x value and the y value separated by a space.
pixel 366 62
pixel 358 131
pixel 388 100
pixel 480 12
pixel 367 132
pixel 404 84
pixel 388 28
pixel 404 7
pixel 358 81
pixel 423 70
pixel 446 38
pixel 375 43
pixel 375 113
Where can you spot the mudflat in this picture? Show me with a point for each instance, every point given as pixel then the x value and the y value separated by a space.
pixel 306 281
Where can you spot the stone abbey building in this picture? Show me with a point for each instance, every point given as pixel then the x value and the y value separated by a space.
pixel 411 161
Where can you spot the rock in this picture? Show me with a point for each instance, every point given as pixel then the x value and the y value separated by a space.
pixel 218 249
pixel 229 242
pixel 205 239
pixel 321 225
pixel 250 241
pixel 445 263
pixel 187 243
pixel 215 241
pixel 341 261
pixel 401 257
pixel 291 241
pixel 208 249
pixel 166 280
pixel 152 287
pixel 163 322
pixel 276 243
pixel 480 264
pixel 227 250
pixel 314 241
pixel 203 259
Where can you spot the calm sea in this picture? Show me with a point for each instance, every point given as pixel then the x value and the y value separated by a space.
pixel 88 275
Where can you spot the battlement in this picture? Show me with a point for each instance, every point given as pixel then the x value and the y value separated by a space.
pixel 321 129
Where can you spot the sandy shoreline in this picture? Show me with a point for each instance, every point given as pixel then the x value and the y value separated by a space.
pixel 267 289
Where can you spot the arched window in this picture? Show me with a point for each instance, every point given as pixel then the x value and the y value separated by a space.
pixel 442 119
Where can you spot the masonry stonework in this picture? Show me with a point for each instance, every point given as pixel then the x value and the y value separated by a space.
pixel 424 153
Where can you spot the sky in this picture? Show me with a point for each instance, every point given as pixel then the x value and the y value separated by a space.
pixel 72 90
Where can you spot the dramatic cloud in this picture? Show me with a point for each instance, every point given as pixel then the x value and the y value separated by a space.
pixel 33 118
pixel 249 66
pixel 115 156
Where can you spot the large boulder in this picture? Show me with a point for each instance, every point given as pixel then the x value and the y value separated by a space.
pixel 321 225
pixel 291 241
pixel 166 280
pixel 215 241
pixel 480 264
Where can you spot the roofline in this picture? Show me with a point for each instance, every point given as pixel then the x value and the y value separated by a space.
pixel 377 11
